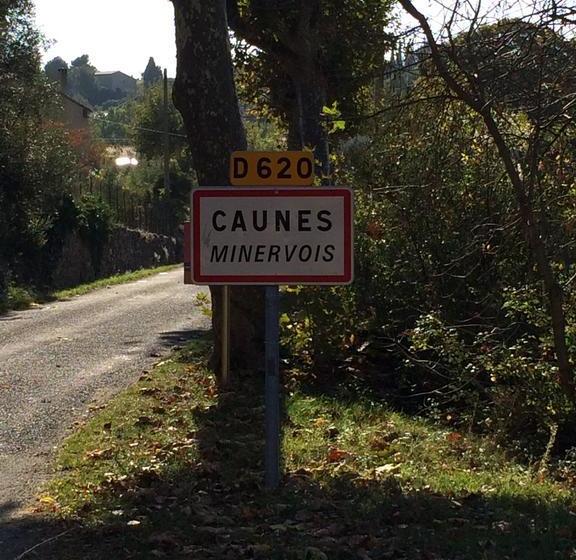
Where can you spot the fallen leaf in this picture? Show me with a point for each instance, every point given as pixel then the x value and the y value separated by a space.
pixel 386 469
pixel 48 501
pixel 454 437
pixel 148 390
pixel 332 432
pixel 336 455
pixel 99 454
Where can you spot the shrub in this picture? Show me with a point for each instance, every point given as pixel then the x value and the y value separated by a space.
pixel 94 226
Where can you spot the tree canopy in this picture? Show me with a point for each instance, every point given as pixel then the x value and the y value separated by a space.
pixel 34 154
pixel 152 74
pixel 298 56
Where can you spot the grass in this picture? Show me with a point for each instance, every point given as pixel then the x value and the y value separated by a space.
pixel 20 297
pixel 111 281
pixel 173 469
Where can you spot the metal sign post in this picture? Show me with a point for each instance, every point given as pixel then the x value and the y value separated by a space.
pixel 272 389
pixel 225 335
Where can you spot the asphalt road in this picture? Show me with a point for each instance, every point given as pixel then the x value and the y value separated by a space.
pixel 57 359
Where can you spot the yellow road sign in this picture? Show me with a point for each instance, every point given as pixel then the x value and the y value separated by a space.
pixel 283 169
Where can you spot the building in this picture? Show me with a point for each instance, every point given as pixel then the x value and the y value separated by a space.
pixel 117 81
pixel 75 114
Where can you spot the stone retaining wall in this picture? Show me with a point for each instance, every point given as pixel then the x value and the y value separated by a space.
pixel 125 250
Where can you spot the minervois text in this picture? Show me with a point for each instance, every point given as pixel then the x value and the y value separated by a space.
pixel 271 253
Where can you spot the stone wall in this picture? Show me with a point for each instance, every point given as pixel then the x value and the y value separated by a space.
pixel 125 250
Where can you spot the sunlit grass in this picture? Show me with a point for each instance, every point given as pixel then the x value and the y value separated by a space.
pixel 24 297
pixel 173 456
pixel 111 281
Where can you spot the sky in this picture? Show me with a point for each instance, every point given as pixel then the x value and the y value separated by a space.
pixel 116 34
pixel 123 34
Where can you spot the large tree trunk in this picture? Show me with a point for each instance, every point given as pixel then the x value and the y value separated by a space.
pixel 311 98
pixel 205 95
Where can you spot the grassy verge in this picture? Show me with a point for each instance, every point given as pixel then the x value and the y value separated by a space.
pixel 111 281
pixel 172 469
pixel 20 297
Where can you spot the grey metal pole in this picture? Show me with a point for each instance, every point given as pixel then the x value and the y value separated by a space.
pixel 166 136
pixel 272 389
pixel 225 335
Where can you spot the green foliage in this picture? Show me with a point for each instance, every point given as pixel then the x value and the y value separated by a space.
pixel 81 81
pixel 152 74
pixel 148 124
pixel 19 297
pixel 264 134
pixel 334 118
pixel 321 325
pixel 36 156
pixel 94 226
pixel 113 125
pixel 349 40
pixel 523 65
pixel 52 68
pixel 447 313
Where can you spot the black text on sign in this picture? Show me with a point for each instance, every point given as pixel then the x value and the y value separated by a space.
pixel 272 168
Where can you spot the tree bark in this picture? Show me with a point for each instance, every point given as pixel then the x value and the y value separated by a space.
pixel 205 95
pixel 311 98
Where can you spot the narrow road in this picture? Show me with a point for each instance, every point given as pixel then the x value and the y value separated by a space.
pixel 56 360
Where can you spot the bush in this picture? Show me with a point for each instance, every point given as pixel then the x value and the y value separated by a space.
pixel 94 226
pixel 20 297
pixel 446 314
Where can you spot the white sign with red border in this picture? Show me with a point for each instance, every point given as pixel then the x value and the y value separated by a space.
pixel 268 236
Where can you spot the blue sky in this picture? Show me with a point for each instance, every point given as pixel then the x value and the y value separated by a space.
pixel 117 34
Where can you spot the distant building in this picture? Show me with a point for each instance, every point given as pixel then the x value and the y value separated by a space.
pixel 75 114
pixel 116 81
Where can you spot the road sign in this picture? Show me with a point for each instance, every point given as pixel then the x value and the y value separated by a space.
pixel 272 236
pixel 284 169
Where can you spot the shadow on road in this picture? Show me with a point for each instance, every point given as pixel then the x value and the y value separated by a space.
pixel 178 338
pixel 10 316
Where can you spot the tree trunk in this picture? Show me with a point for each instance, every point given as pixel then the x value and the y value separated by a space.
pixel 205 95
pixel 535 240
pixel 311 100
